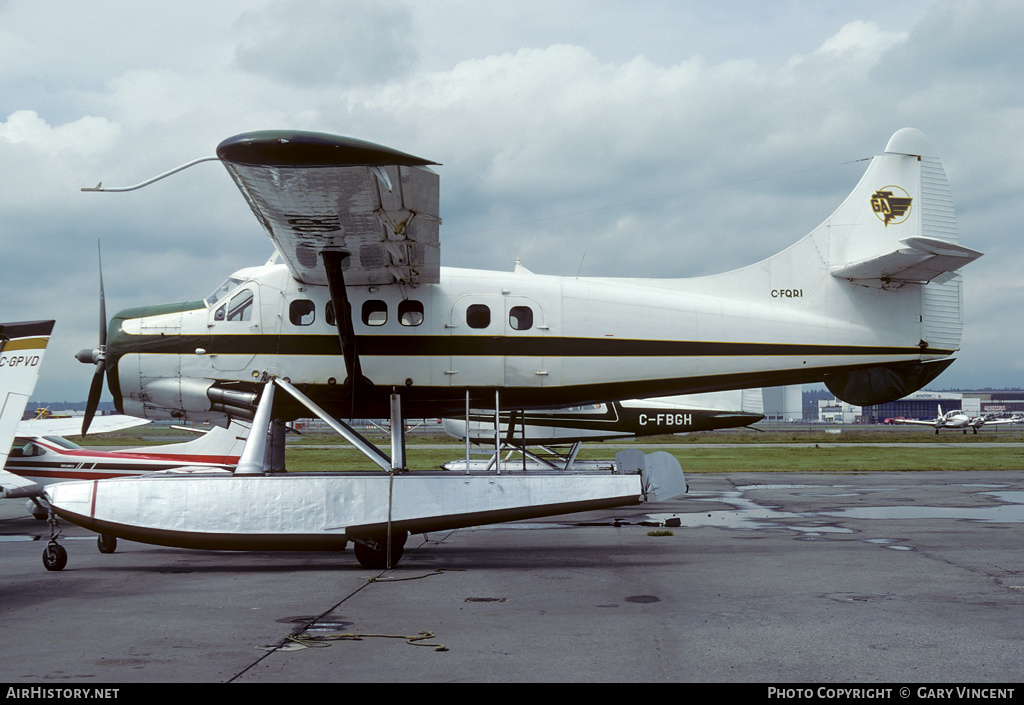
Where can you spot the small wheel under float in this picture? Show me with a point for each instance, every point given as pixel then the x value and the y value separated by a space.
pixel 54 556
pixel 106 543
pixel 372 551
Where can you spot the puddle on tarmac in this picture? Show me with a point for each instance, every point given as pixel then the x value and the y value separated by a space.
pixel 748 514
pixel 745 514
pixel 1012 512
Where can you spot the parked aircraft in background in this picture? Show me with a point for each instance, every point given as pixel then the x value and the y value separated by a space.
pixel 956 420
pixel 615 420
pixel 547 429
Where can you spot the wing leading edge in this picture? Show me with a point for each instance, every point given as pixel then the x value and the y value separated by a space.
pixel 316 193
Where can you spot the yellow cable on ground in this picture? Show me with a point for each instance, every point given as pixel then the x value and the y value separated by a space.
pixel 318 641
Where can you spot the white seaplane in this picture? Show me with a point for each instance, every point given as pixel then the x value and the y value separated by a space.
pixel 360 320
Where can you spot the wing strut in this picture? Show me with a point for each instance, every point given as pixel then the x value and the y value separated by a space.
pixel 333 260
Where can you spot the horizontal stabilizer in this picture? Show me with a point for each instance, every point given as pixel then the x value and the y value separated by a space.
pixel 923 260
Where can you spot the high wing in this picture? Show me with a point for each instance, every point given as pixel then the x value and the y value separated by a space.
pixel 72 426
pixel 316 193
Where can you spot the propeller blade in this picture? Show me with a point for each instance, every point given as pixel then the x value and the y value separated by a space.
pixel 95 389
pixel 97 356
pixel 103 305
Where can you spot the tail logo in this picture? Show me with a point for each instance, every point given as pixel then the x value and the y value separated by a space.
pixel 891 204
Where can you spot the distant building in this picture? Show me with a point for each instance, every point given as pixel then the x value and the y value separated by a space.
pixel 783 403
pixel 838 411
pixel 924 405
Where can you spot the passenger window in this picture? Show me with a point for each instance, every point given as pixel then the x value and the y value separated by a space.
pixel 329 314
pixel 301 312
pixel 375 313
pixel 478 316
pixel 520 318
pixel 410 313
pixel 240 308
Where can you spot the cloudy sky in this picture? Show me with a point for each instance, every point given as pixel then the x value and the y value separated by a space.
pixel 634 138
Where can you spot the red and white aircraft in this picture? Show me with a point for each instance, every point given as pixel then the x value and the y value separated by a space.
pixel 41 456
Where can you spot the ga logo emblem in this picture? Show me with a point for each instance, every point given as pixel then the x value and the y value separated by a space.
pixel 891 204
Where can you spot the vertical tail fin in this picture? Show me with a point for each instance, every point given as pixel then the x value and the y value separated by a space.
pixel 917 242
pixel 883 270
pixel 21 352
pixel 897 232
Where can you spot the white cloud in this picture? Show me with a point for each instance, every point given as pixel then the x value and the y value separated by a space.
pixel 86 135
pixel 658 139
pixel 327 43
pixel 864 38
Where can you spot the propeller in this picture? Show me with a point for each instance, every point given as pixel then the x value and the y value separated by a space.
pixel 96 356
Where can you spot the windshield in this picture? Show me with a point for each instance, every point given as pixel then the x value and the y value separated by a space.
pixel 229 285
pixel 63 442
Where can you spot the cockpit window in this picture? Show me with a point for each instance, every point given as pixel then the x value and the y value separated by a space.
pixel 240 308
pixel 26 449
pixel 228 285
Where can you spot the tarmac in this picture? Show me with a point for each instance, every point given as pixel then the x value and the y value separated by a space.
pixel 775 578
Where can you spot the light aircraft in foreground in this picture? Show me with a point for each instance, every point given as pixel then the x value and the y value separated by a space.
pixel 48 428
pixel 956 420
pixel 558 434
pixel 41 455
pixel 360 320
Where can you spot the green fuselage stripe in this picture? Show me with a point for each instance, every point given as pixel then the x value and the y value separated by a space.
pixel 471 346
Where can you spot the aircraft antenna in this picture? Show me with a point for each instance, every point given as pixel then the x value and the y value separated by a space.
pixel 100 187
